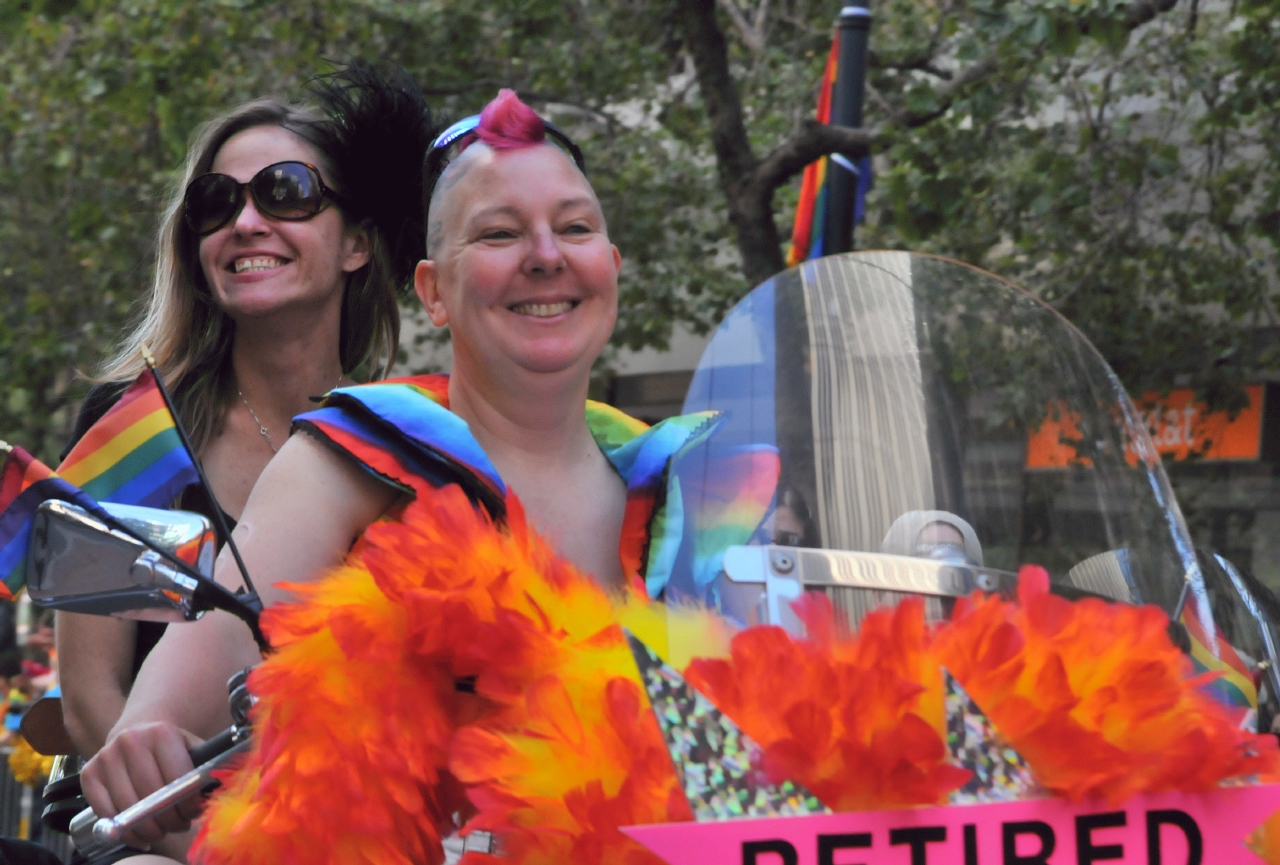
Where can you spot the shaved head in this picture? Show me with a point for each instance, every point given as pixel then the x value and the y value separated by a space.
pixel 454 173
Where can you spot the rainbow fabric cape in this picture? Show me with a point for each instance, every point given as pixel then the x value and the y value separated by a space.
pixel 131 456
pixel 403 433
pixel 811 211
pixel 25 482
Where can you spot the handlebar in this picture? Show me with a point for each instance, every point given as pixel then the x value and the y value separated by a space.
pixel 64 798
pixel 93 836
pixel 207 750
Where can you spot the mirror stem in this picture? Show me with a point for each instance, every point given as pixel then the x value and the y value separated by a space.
pixel 176 563
pixel 218 517
pixel 208 595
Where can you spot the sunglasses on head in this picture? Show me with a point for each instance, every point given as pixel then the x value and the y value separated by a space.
pixel 285 190
pixel 437 158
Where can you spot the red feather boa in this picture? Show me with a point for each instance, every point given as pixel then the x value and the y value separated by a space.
pixel 365 749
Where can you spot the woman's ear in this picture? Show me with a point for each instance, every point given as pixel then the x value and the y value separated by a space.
pixel 426 284
pixel 355 248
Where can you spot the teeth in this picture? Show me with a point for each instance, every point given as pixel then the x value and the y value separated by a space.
pixel 543 310
pixel 263 262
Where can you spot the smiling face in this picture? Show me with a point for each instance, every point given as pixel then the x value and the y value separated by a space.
pixel 255 265
pixel 523 271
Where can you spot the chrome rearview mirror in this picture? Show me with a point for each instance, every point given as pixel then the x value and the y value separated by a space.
pixel 78 564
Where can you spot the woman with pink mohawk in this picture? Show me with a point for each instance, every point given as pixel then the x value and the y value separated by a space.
pixel 520 268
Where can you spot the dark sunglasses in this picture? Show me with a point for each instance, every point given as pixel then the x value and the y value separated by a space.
pixel 285 190
pixel 437 158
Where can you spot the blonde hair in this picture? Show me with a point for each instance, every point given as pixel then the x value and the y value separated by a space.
pixel 191 337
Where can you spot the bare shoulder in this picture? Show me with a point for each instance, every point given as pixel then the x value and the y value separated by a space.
pixel 308 507
pixel 306 467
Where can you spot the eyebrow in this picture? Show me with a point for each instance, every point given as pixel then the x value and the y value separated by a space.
pixel 510 210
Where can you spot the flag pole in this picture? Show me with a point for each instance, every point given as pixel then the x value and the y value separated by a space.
pixel 218 517
pixel 853 29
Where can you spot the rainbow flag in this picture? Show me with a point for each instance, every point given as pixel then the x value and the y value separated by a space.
pixel 132 455
pixel 25 482
pixel 807 239
pixel 1234 684
pixel 811 212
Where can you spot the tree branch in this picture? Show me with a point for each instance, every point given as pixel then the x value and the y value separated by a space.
pixel 813 141
pixel 921 62
pixel 1137 13
pixel 758 240
pixel 750 36
pixel 946 96
pixel 719 91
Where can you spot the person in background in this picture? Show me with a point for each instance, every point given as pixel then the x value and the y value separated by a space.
pixel 281 252
pixel 790 524
pixel 939 535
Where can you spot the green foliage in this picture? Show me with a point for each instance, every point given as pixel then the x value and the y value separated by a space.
pixel 1124 177
pixel 98 101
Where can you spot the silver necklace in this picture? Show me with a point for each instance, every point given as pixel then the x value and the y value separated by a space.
pixel 262 428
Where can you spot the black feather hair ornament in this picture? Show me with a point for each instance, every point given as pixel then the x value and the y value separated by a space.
pixel 382 127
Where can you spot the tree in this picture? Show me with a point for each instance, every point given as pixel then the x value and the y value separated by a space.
pixel 749 182
pixel 99 99
pixel 1108 155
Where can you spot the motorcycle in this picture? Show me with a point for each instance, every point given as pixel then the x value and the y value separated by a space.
pixel 919 428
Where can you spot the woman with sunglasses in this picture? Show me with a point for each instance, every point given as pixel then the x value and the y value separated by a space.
pixel 521 269
pixel 280 258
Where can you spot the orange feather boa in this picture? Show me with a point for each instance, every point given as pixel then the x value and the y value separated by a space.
pixel 365 749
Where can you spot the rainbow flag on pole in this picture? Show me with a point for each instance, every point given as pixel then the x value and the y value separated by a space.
pixel 1234 684
pixel 811 211
pixel 131 456
pixel 25 482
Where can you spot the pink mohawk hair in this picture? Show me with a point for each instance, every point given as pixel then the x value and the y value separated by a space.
pixel 507 123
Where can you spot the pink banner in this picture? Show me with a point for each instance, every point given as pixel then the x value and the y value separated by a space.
pixel 1163 829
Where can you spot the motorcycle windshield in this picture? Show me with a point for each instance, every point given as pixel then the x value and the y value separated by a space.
pixel 896 424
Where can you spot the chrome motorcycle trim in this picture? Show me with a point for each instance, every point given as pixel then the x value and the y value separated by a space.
pixel 815 568
pixel 785 572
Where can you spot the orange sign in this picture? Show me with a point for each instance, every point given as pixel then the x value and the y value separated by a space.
pixel 1053 446
pixel 1180 428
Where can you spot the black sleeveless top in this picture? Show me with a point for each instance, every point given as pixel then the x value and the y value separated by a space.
pixel 194 498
